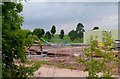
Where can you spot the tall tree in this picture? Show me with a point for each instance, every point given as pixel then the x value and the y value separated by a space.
pixel 27 32
pixel 80 30
pixel 42 32
pixel 48 35
pixel 53 30
pixel 61 34
pixel 13 42
pixel 12 39
pixel 72 34
pixel 39 32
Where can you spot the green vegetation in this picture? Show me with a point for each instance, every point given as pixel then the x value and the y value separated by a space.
pixel 78 33
pixel 62 65
pixel 95 28
pixel 80 30
pixel 14 41
pixel 38 32
pixel 66 39
pixel 51 37
pixel 53 30
pixel 28 62
pixel 61 36
pixel 107 60
pixel 73 35
pixel 48 35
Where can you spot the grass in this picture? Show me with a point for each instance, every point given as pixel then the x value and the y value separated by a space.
pixel 55 39
pixel 62 65
pixel 36 62
pixel 66 66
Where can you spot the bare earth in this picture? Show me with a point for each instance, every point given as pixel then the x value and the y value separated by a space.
pixel 50 71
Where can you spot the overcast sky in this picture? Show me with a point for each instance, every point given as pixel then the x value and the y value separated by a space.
pixel 66 15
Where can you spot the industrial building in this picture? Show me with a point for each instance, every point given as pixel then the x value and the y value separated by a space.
pixel 99 34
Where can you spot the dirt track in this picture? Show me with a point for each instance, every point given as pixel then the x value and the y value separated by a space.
pixel 50 71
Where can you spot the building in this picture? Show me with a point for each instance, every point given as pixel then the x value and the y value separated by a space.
pixel 99 34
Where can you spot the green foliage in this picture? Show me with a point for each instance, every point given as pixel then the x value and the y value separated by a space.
pixel 95 28
pixel 66 40
pixel 27 33
pixel 61 34
pixel 72 34
pixel 39 32
pixel 53 30
pixel 29 40
pixel 108 41
pixel 78 33
pixel 28 37
pixel 48 35
pixel 13 41
pixel 106 61
pixel 80 30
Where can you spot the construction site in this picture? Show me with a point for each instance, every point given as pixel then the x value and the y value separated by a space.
pixel 61 58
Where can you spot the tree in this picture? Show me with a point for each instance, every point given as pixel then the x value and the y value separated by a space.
pixel 13 42
pixel 95 28
pixel 61 34
pixel 29 40
pixel 80 30
pixel 35 37
pixel 107 60
pixel 72 35
pixel 48 35
pixel 27 32
pixel 53 30
pixel 42 32
pixel 39 32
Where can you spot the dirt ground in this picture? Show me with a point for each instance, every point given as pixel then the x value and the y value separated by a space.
pixel 51 71
pixel 63 49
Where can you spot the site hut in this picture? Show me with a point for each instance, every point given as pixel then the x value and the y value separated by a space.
pixel 99 35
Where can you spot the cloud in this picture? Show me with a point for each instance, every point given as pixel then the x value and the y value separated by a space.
pixel 66 15
pixel 106 22
pixel 74 0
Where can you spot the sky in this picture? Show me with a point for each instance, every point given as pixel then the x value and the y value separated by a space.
pixel 66 15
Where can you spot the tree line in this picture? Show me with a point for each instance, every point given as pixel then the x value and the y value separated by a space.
pixel 73 34
pixel 49 34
